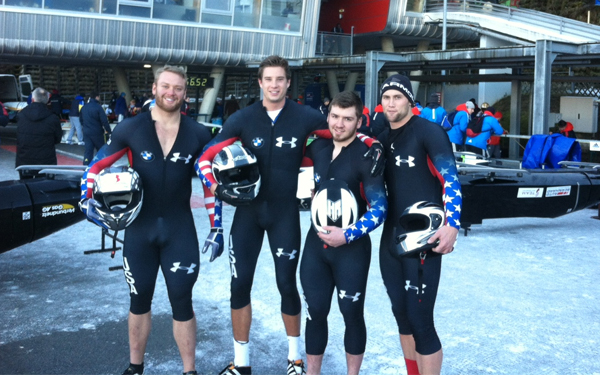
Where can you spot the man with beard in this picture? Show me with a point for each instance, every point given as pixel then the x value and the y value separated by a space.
pixel 420 167
pixel 161 146
pixel 344 261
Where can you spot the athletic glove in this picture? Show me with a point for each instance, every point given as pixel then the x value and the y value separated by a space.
pixel 88 207
pixel 214 242
pixel 231 197
pixel 377 157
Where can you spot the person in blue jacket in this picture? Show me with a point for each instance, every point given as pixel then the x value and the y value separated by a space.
pixel 459 125
pixel 491 126
pixel 434 112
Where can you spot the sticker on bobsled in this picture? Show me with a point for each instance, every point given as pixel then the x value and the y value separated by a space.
pixel 530 192
pixel 595 146
pixel 57 209
pixel 558 191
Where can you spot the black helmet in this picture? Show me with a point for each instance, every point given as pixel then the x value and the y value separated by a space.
pixel 333 205
pixel 416 225
pixel 120 193
pixel 236 168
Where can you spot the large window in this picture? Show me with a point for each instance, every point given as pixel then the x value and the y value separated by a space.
pixel 281 15
pixel 278 15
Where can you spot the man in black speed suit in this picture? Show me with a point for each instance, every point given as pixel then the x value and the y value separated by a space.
pixel 420 166
pixel 162 146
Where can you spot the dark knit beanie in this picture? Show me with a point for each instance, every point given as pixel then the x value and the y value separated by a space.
pixel 401 83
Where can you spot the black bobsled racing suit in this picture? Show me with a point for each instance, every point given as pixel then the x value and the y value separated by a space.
pixel 345 267
pixel 163 234
pixel 420 167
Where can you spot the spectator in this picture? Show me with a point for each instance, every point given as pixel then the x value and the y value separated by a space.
pixel 477 109
pixel 459 125
pixel 365 126
pixel 95 127
pixel 490 126
pixel 493 144
pixel 120 107
pixel 433 112
pixel 566 128
pixel 231 106
pixel 76 106
pixel 133 108
pixel 38 132
pixel 324 108
pixel 416 110
pixel 56 103
pixel 378 121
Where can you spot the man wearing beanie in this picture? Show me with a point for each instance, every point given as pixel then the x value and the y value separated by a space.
pixel 459 125
pixel 433 112
pixel 420 167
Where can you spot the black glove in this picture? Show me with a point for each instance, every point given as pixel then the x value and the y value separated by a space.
pixel 232 197
pixel 214 242
pixel 377 157
pixel 88 207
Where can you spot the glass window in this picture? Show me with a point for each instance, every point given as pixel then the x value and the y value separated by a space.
pixel 246 13
pixel 281 15
pixel 24 3
pixel 183 10
pixel 76 5
pixel 222 5
pixel 109 6
pixel 133 11
pixel 218 19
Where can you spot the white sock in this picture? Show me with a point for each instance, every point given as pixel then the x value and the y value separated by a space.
pixel 294 348
pixel 242 353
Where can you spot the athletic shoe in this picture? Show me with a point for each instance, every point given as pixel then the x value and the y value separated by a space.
pixel 236 370
pixel 81 143
pixel 131 371
pixel 193 372
pixel 296 367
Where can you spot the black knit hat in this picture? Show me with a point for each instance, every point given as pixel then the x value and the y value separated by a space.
pixel 401 83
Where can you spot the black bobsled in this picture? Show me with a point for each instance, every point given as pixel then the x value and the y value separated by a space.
pixel 502 189
pixel 34 208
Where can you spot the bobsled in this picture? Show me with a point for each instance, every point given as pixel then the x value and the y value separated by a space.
pixel 33 208
pixel 502 188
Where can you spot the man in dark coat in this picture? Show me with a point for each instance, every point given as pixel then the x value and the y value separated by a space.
pixel 96 128
pixel 38 130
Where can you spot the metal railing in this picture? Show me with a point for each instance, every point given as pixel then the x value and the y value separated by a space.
pixel 334 44
pixel 529 18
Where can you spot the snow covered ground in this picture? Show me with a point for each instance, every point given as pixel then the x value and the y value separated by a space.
pixel 517 296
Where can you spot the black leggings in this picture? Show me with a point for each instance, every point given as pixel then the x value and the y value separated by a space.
pixel 282 224
pixel 147 247
pixel 323 269
pixel 413 306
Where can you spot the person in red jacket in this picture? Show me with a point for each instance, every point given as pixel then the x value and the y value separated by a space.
pixel 566 128
pixel 493 144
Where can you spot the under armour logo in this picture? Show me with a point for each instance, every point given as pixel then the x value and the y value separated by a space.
pixel 292 255
pixel 408 161
pixel 354 298
pixel 176 266
pixel 177 157
pixel 408 286
pixel 281 142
